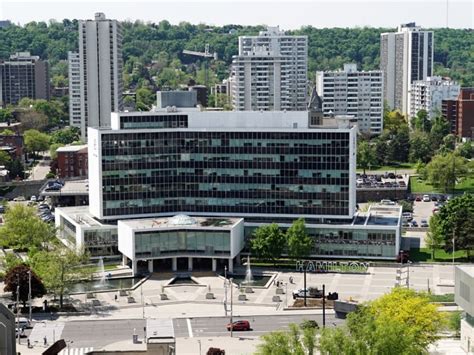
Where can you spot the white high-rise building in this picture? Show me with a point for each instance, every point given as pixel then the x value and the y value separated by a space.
pixel 270 72
pixel 74 77
pixel 100 55
pixel 405 56
pixel 355 93
pixel 429 95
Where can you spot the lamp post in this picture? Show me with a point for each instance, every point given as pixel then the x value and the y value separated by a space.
pixel 29 292
pixel 231 310
pixel 18 307
pixel 225 290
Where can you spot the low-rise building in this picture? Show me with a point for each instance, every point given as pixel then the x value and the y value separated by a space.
pixel 72 161
pixel 464 298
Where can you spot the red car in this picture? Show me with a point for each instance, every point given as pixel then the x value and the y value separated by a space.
pixel 239 325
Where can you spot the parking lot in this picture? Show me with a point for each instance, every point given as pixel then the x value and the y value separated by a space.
pixel 380 181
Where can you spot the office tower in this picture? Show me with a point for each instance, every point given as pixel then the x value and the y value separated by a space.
pixel 405 56
pixel 74 70
pixel 355 93
pixel 460 113
pixel 23 75
pixel 169 187
pixel 270 72
pixel 428 95
pixel 100 56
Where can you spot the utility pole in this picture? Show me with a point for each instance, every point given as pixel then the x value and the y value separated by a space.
pixel 29 292
pixel 304 287
pixel 18 306
pixel 231 310
pixel 225 290
pixel 143 303
pixel 324 306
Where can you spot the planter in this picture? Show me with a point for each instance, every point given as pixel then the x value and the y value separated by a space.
pixel 90 295
pixel 164 297
pixel 209 296
pixel 248 290
pixel 276 299
pixel 130 299
pixel 279 291
pixel 242 297
pixel 122 293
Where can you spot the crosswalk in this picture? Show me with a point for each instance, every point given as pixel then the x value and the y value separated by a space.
pixel 76 351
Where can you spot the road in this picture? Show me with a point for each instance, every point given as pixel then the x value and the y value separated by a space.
pixel 99 333
pixel 40 170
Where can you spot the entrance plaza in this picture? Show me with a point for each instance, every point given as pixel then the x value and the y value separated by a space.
pixel 190 300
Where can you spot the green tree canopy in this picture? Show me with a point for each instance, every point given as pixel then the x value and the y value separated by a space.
pixel 445 169
pixel 420 147
pixel 268 242
pixel 5 158
pixel 400 322
pixel 59 268
pixel 36 141
pixel 434 238
pixel 23 229
pixel 66 136
pixel 366 155
pixel 299 242
pixel 456 221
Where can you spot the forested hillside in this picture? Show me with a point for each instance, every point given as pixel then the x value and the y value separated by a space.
pixel 153 52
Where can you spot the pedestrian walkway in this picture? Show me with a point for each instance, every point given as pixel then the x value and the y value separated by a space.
pixel 46 333
pixel 75 351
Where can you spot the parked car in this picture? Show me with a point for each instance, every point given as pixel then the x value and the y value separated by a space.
pixel 19 198
pixel 312 292
pixel 434 198
pixel 387 202
pixel 426 198
pixel 405 224
pixel 24 322
pixel 33 198
pixel 442 198
pixel 424 223
pixel 418 199
pixel 407 216
pixel 239 325
pixel 414 224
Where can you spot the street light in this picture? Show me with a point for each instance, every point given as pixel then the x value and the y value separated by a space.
pixel 231 310
pixel 18 306
pixel 29 292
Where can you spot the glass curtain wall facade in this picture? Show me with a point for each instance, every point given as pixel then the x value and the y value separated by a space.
pixel 345 242
pixel 177 242
pixel 298 173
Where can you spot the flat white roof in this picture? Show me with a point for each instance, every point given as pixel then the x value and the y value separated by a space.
pixel 159 328
pixel 81 216
pixel 182 221
pixel 468 269
pixel 71 148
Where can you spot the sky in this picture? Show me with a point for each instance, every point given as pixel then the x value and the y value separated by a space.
pixel 287 14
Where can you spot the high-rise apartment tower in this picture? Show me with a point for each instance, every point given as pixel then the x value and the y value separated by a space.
pixel 269 73
pixel 405 56
pixel 100 56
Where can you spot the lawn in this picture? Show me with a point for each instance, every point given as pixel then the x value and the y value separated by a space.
pixel 424 254
pixel 391 168
pixel 95 268
pixel 466 185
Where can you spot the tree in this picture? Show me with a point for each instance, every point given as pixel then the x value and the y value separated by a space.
pixel 53 150
pixel 30 119
pixel 420 147
pixel 66 135
pixel 15 169
pixel 440 128
pixel 59 268
pixel 23 229
pixel 35 141
pixel 10 260
pixel 399 144
pixel 448 144
pixel 421 121
pixel 456 221
pixel 407 206
pixel 393 121
pixel 145 99
pixel 299 242
pixel 5 115
pixel 268 242
pixel 465 150
pixel 400 322
pixel 19 276
pixel 365 155
pixel 445 169
pixel 5 158
pixel 434 238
